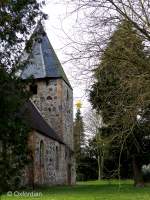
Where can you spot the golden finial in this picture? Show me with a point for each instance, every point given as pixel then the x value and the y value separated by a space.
pixel 78 104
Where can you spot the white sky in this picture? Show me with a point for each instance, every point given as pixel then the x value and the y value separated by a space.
pixel 58 18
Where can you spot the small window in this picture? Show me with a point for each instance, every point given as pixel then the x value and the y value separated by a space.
pixel 33 89
pixel 66 153
pixel 47 82
pixel 57 158
pixel 67 95
pixel 41 153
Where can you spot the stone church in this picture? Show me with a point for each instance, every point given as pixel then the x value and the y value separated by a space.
pixel 50 114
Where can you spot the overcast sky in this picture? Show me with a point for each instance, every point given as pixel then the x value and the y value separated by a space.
pixel 59 26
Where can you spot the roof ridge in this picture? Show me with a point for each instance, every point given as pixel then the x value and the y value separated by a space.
pixel 57 63
pixel 30 100
pixel 50 132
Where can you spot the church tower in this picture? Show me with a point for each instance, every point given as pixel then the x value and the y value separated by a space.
pixel 52 92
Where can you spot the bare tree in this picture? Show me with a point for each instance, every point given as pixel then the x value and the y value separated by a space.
pixel 96 20
pixel 93 126
pixel 137 12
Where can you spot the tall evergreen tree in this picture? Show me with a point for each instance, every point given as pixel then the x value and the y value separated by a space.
pixel 78 133
pixel 78 141
pixel 18 19
pixel 121 93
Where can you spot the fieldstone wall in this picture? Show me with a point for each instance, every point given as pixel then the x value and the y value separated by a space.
pixel 54 99
pixel 49 102
pixel 57 159
pixel 67 114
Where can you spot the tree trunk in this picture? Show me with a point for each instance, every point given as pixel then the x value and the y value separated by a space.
pixel 100 166
pixel 137 174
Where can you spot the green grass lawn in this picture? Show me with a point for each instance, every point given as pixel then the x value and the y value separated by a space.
pixel 92 190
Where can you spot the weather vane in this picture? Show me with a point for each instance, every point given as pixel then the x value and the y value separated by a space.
pixel 78 104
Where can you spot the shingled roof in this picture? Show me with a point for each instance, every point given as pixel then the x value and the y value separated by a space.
pixel 43 61
pixel 36 121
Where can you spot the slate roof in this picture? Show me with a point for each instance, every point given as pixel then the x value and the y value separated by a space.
pixel 36 121
pixel 43 61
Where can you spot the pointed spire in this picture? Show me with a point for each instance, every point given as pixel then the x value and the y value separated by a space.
pixel 43 61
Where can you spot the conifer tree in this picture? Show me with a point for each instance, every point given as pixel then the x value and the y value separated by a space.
pixel 78 133
pixel 78 140
pixel 121 93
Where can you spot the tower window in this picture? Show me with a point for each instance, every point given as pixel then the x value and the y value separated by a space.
pixel 47 82
pixel 33 89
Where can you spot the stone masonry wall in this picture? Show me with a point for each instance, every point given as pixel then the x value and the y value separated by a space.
pixel 67 114
pixel 51 172
pixel 49 102
pixel 54 100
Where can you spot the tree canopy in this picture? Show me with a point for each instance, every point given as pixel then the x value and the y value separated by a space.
pixel 18 19
pixel 121 93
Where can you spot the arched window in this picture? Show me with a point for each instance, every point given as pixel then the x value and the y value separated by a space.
pixel 67 95
pixel 57 158
pixel 41 153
